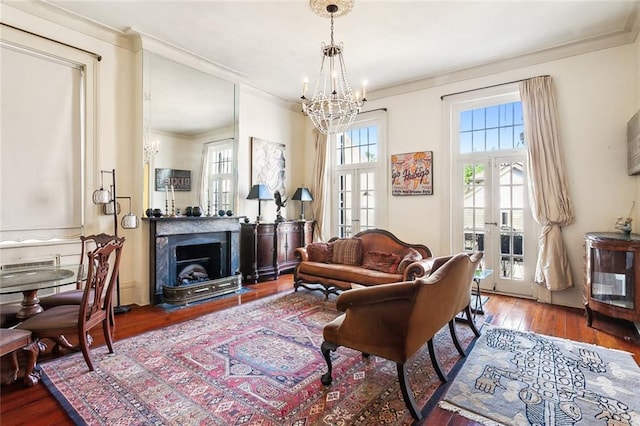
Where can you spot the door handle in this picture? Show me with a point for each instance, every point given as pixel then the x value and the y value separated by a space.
pixel 491 223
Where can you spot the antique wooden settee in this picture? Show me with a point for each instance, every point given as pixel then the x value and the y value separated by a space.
pixel 371 257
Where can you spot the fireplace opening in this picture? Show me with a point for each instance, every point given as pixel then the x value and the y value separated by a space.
pixel 198 263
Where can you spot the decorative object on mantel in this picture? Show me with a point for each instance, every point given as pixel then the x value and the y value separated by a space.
pixel 280 202
pixel 333 105
pixel 302 194
pixel 624 224
pixel 129 221
pixel 259 192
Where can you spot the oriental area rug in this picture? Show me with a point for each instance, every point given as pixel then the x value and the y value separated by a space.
pixel 523 378
pixel 254 364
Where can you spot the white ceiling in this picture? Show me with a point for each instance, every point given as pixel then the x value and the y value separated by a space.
pixel 273 45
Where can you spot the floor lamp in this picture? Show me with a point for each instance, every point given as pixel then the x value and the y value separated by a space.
pixel 129 221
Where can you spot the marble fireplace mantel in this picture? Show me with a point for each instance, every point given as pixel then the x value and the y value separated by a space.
pixel 169 235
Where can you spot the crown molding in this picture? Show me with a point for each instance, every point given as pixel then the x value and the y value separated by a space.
pixel 60 16
pixel 183 56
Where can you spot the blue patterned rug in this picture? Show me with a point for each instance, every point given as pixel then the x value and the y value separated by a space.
pixel 521 378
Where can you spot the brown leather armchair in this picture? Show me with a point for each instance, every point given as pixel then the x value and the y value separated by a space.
pixel 394 321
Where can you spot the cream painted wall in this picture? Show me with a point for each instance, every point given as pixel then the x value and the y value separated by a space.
pixel 596 97
pixel 265 118
pixel 114 137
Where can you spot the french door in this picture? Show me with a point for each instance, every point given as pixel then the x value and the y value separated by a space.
pixel 497 220
pixel 356 194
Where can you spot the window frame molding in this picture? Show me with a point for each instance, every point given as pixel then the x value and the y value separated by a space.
pixel 380 168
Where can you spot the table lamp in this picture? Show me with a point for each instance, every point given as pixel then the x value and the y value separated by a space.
pixel 302 194
pixel 259 192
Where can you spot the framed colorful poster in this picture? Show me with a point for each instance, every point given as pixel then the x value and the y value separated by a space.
pixel 412 173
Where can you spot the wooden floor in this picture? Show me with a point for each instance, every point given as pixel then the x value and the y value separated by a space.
pixel 20 405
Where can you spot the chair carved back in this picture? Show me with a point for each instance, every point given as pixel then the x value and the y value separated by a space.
pixel 87 242
pixel 103 266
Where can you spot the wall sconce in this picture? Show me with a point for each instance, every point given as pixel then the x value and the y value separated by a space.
pixel 111 207
pixel 259 192
pixel 302 194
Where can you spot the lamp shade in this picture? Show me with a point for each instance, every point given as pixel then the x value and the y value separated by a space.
pixel 302 194
pixel 260 192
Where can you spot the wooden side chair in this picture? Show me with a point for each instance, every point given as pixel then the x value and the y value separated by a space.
pixel 95 309
pixel 10 342
pixel 394 321
pixel 74 297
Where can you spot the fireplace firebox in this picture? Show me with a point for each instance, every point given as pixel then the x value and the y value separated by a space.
pixel 193 258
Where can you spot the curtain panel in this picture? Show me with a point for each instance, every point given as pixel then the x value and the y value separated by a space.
pixel 319 184
pixel 548 190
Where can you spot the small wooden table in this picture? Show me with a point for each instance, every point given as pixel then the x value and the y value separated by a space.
pixel 479 275
pixel 29 280
pixel 10 341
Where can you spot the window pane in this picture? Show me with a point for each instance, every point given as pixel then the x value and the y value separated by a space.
pixel 492 116
pixel 465 120
pixel 506 115
pixel 465 143
pixel 478 141
pixel 478 119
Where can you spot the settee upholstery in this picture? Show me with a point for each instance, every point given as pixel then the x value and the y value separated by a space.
pixel 378 249
pixel 394 321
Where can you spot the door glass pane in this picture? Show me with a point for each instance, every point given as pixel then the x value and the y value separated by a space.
pixel 511 220
pixel 367 201
pixel 345 188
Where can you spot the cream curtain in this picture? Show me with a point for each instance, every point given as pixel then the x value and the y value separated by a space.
pixel 319 184
pixel 550 202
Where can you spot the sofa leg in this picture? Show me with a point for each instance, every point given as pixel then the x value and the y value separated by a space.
pixel 454 336
pixel 434 361
pixel 407 395
pixel 326 349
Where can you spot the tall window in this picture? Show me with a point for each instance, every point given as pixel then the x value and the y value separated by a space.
pixel 47 144
pixel 358 178
pixel 218 175
pixel 490 189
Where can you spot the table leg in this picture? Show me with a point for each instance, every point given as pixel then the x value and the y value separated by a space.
pixel 30 305
pixel 32 377
pixel 477 308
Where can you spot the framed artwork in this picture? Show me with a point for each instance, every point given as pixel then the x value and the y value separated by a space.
pixel 412 173
pixel 268 164
pixel 180 179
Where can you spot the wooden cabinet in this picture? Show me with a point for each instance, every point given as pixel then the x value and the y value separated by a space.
pixel 612 266
pixel 268 249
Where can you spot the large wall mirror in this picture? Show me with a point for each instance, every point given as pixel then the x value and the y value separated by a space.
pixel 190 122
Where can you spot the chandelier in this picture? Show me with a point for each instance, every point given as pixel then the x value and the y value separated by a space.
pixel 333 105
